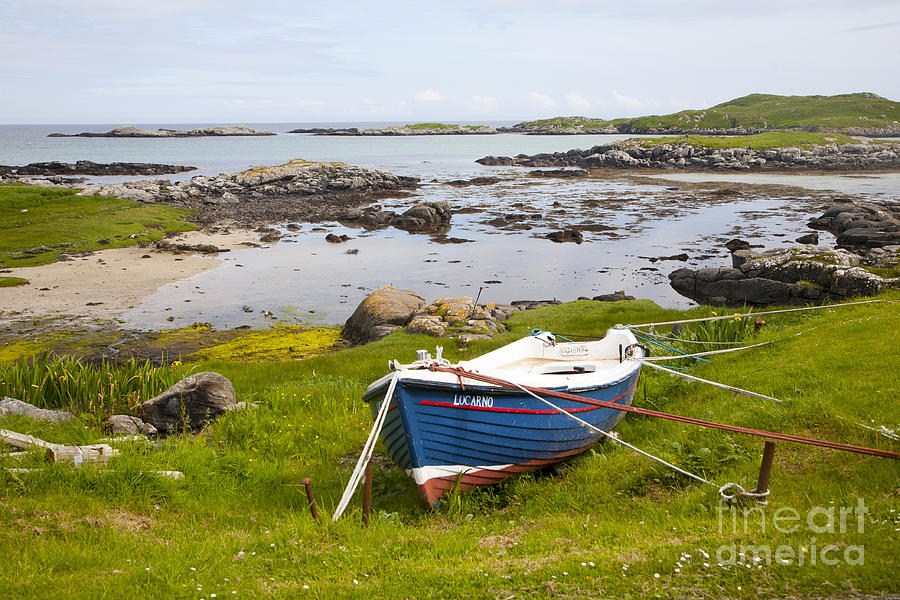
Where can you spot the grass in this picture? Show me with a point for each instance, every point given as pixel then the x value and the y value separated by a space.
pixel 613 525
pixel 82 388
pixel 761 111
pixel 12 281
pixel 38 225
pixel 442 126
pixel 761 141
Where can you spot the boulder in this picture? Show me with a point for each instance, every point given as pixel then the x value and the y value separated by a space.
pixel 190 403
pixel 382 311
pixel 12 406
pixel 809 238
pixel 614 297
pixel 566 235
pixel 128 425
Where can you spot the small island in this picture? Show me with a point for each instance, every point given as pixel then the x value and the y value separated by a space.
pixel 405 130
pixel 128 131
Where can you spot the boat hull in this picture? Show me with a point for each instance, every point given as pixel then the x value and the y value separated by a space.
pixel 444 435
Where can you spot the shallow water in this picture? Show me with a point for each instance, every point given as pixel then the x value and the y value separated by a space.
pixel 304 278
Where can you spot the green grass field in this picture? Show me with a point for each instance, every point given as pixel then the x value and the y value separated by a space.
pixel 612 525
pixel 442 126
pixel 762 111
pixel 38 224
pixel 761 141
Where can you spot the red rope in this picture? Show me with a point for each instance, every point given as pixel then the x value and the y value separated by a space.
pixel 460 372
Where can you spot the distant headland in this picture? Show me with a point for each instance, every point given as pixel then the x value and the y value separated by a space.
pixel 128 131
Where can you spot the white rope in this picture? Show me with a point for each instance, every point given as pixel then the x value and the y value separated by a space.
pixel 757 314
pixel 884 431
pixel 368 449
pixel 710 352
pixel 610 436
pixel 741 492
pixel 676 339
pixel 720 385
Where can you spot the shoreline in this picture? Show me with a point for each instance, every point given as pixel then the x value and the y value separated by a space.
pixel 106 283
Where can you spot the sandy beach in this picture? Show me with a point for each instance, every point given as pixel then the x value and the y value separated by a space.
pixel 104 284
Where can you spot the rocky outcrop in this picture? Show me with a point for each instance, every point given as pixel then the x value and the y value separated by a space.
pixel 559 173
pixel 86 167
pixel 474 181
pixel 383 311
pixel 402 130
pixel 862 225
pixel 387 309
pixel 807 275
pixel 296 190
pixel 422 217
pixel 461 318
pixel 635 154
pixel 127 131
pixel 190 403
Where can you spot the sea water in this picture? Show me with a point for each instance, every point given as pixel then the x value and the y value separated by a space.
pixel 630 223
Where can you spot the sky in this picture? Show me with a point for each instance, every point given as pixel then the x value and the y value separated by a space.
pixel 258 61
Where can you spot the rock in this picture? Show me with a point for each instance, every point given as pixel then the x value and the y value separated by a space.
pixel 567 235
pixel 614 297
pixel 384 307
pixel 86 167
pixel 265 193
pixel 637 154
pixel 428 325
pixel 474 181
pixel 12 406
pixel 424 216
pixel 128 425
pixel 809 238
pixel 790 277
pixel 336 239
pixel 179 247
pixel 862 225
pixel 559 173
pixel 191 402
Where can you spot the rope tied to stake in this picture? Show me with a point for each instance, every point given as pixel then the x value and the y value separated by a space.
pixel 742 493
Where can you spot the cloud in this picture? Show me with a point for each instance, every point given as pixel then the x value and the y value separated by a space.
pixel 635 103
pixel 577 101
pixel 876 26
pixel 483 102
pixel 429 96
pixel 542 99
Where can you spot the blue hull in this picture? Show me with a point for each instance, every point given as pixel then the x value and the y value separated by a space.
pixel 443 435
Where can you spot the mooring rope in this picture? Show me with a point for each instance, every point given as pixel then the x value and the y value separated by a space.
pixel 461 372
pixel 713 383
pixel 610 436
pixel 752 314
pixel 708 353
pixel 368 449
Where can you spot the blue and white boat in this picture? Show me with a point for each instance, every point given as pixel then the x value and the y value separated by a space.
pixel 445 429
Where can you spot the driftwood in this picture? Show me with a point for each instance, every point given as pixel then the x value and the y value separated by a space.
pixel 11 406
pixel 78 455
pixel 172 474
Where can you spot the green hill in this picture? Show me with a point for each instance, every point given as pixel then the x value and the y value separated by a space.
pixel 863 113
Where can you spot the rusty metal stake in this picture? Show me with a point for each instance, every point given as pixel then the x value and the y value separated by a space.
pixel 765 468
pixel 307 483
pixel 758 324
pixel 367 494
